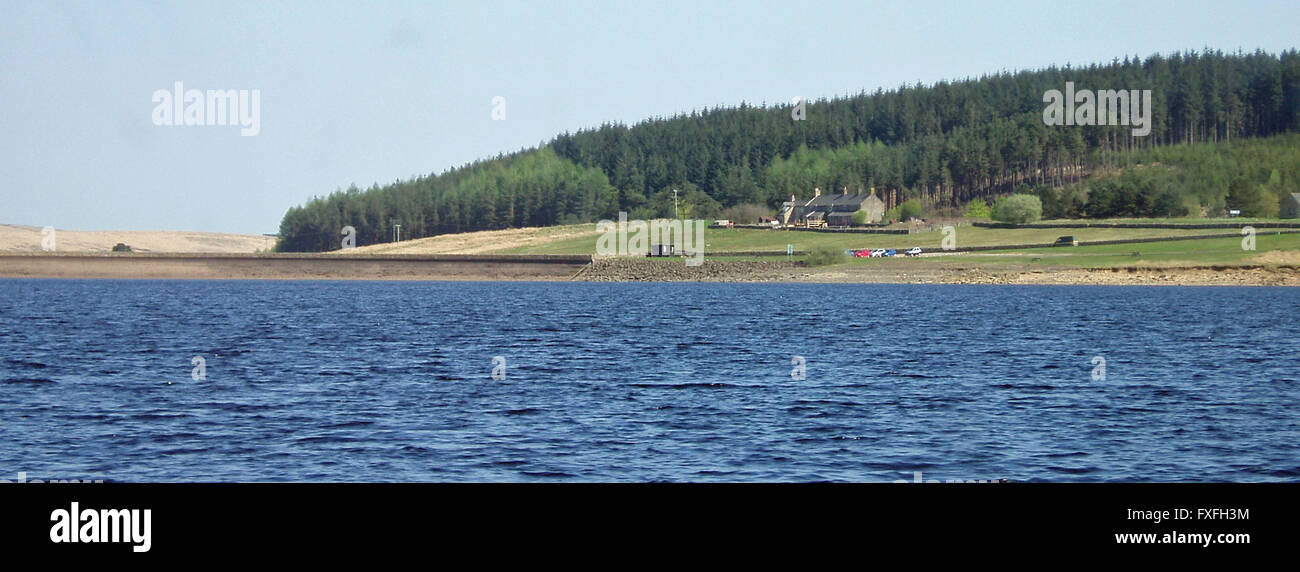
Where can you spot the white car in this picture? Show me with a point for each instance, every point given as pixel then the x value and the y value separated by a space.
pixel 878 253
pixel 914 251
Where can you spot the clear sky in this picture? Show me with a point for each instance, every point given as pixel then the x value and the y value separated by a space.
pixel 380 91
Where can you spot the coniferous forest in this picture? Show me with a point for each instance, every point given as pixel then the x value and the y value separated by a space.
pixel 942 145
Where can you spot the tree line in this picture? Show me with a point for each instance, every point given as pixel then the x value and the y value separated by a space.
pixel 943 145
pixel 534 188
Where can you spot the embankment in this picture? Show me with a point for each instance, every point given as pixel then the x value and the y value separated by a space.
pixel 292 266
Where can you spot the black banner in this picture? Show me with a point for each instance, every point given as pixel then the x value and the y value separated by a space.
pixel 153 521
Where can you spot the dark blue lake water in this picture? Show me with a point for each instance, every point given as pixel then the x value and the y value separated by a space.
pixel 360 381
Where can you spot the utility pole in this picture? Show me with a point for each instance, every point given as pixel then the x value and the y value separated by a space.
pixel 675 213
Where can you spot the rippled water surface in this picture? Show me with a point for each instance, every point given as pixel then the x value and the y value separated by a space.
pixel 392 381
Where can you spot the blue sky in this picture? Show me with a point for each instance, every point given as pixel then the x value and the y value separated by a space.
pixel 375 92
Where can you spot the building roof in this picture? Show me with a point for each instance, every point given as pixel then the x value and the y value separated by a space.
pixel 855 202
pixel 832 203
pixel 821 201
pixel 846 200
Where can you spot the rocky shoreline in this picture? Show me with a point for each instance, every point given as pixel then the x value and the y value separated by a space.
pixel 675 270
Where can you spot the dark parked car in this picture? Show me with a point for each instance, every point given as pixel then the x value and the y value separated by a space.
pixel 1066 241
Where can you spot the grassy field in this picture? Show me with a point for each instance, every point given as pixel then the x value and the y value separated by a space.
pixel 1271 248
pixel 734 240
pixel 1185 220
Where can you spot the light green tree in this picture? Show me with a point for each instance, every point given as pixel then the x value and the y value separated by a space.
pixel 1019 209
pixel 977 208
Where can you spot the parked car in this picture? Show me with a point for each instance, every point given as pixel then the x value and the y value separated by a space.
pixel 891 252
pixel 878 253
pixel 861 253
pixel 914 251
pixel 1066 241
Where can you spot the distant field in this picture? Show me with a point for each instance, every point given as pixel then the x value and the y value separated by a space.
pixel 1270 249
pixel 1233 220
pixel 15 238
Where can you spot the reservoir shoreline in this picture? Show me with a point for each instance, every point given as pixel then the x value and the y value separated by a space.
pixel 524 267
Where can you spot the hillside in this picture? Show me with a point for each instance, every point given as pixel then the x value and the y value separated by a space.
pixel 944 144
pixel 14 238
pixel 486 241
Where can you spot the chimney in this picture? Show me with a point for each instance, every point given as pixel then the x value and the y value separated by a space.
pixel 817 192
pixel 844 191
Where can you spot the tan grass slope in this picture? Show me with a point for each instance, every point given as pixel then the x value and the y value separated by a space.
pixel 480 242
pixel 15 238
